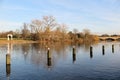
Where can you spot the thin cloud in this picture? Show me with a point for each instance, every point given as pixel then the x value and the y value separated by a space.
pixel 8 25
pixel 13 8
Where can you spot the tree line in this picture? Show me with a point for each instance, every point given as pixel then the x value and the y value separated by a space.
pixel 48 29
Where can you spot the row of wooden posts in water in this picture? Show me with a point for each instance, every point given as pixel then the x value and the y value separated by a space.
pixel 8 62
pixel 49 60
pixel 103 50
pixel 74 53
pixel 49 57
pixel 91 52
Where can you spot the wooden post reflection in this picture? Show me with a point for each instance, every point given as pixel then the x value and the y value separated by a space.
pixel 74 54
pixel 49 63
pixel 112 48
pixel 91 52
pixel 103 50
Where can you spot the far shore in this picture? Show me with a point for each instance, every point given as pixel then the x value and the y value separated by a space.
pixel 17 41
pixel 21 41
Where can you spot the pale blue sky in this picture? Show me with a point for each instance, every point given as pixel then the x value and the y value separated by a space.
pixel 100 16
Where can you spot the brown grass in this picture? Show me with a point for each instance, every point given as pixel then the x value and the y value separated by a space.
pixel 17 41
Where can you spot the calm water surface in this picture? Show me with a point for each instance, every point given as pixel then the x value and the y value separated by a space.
pixel 30 62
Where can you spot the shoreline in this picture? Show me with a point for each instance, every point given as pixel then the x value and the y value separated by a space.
pixel 30 41
pixel 17 41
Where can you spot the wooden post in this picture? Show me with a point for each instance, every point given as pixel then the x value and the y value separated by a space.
pixel 8 65
pixel 91 52
pixel 8 59
pixel 103 50
pixel 112 48
pixel 74 54
pixel 49 63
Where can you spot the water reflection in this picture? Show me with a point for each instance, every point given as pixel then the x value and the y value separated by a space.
pixel 56 56
pixel 38 54
pixel 25 50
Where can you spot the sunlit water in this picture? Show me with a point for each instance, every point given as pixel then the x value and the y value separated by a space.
pixel 30 62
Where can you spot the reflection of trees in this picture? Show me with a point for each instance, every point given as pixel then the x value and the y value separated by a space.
pixel 60 50
pixel 25 49
pixel 39 53
pixel 85 45
pixel 3 48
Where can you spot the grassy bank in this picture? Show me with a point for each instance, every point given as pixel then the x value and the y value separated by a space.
pixel 16 41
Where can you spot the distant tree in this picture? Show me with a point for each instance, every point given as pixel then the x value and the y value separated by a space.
pixel 42 29
pixel 87 35
pixel 10 32
pixel 80 35
pixel 49 23
pixel 86 32
pixel 25 31
pixel 17 34
pixel 63 28
pixel 71 35
pixel 114 35
pixel 105 35
pixel 37 28
pixel 75 31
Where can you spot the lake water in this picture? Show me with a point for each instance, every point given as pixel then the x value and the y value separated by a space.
pixel 33 62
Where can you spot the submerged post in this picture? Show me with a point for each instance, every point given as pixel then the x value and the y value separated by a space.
pixel 74 54
pixel 112 48
pixel 91 52
pixel 103 50
pixel 49 57
pixel 8 64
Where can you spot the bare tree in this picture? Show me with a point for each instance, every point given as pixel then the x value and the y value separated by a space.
pixel 37 26
pixel 86 32
pixel 25 31
pixel 17 34
pixel 63 28
pixel 75 31
pixel 49 23
pixel 60 33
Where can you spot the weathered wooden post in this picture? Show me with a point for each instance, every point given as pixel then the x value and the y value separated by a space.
pixel 74 54
pixel 8 64
pixel 49 57
pixel 112 48
pixel 91 52
pixel 103 50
